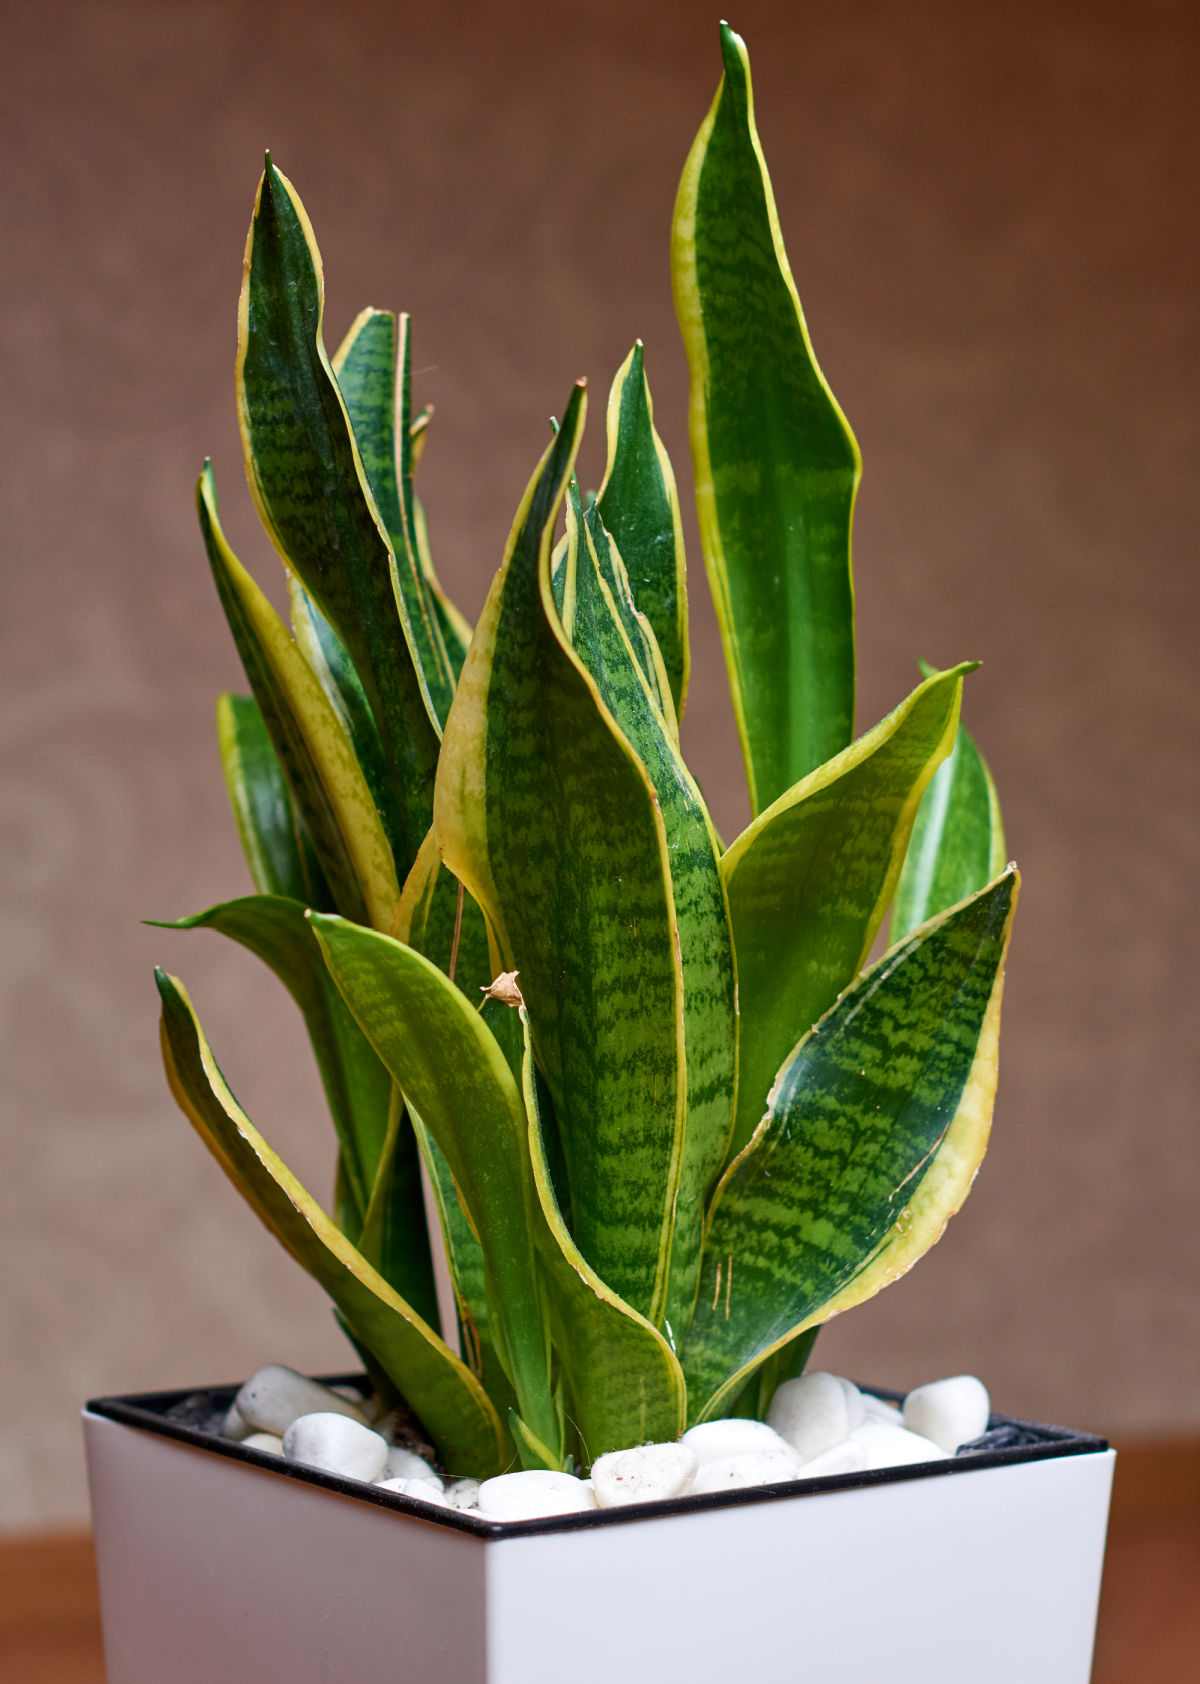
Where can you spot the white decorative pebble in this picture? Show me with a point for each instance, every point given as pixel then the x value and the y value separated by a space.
pixel 815 1412
pixel 848 1457
pixel 270 1442
pixel 337 1445
pixel 463 1494
pixel 754 1467
pixel 879 1409
pixel 233 1426
pixel 647 1474
pixel 950 1412
pixel 406 1464
pixel 532 1493
pixel 894 1447
pixel 276 1396
pixel 425 1490
pixel 717 1440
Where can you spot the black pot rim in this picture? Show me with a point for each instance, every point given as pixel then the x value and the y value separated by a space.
pixel 148 1411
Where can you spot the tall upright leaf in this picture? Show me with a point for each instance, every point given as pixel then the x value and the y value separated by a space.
pixel 875 1128
pixel 448 1398
pixel 326 780
pixel 701 918
pixel 624 1383
pixel 549 819
pixel 957 840
pixel 810 878
pixel 308 480
pixel 776 465
pixel 639 504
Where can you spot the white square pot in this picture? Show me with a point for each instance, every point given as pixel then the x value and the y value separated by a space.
pixel 216 1563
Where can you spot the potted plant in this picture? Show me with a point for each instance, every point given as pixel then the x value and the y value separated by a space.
pixel 636 1083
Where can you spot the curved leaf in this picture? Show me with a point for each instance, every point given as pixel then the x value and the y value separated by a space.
pixel 308 481
pixel 810 878
pixel 357 1087
pixel 329 659
pixel 549 819
pixel 279 855
pixel 875 1128
pixel 448 1398
pixel 325 778
pixel 776 464
pixel 639 504
pixel 957 840
pixel 624 1384
pixel 455 1077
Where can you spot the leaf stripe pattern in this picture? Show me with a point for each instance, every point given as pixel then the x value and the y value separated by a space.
pixel 887 1098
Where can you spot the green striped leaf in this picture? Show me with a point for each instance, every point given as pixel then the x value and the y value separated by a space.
pixel 454 626
pixel 776 465
pixel 957 840
pixel 279 855
pixel 810 878
pixel 357 1089
pixel 708 1046
pixel 452 1405
pixel 308 738
pixel 545 814
pixel 624 1385
pixel 310 486
pixel 639 505
pixel 875 1128
pixel 456 1079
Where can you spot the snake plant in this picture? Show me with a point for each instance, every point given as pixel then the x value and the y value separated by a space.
pixel 637 1082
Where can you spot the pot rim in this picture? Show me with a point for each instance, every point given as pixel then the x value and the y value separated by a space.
pixel 147 1411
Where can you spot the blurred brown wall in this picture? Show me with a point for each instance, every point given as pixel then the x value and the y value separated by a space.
pixel 990 214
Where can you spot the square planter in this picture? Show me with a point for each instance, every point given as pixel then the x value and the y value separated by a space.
pixel 217 1562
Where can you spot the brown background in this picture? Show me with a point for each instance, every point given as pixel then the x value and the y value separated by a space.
pixel 990 211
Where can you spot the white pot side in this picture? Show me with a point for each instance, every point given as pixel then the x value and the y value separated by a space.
pixel 218 1562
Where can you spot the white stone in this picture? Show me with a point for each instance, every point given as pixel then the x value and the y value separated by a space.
pixel 879 1409
pixel 337 1445
pixel 270 1442
pixel 950 1412
pixel 532 1493
pixel 848 1457
pixel 463 1494
pixel 425 1490
pixel 886 1446
pixel 276 1396
pixel 650 1473
pixel 406 1464
pixel 233 1426
pixel 718 1440
pixel 753 1467
pixel 815 1412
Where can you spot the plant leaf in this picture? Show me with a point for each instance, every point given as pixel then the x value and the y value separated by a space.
pixel 876 1126
pixel 707 1048
pixel 279 855
pixel 455 1077
pixel 310 486
pixel 957 840
pixel 624 1384
pixel 329 659
pixel 325 778
pixel 810 878
pixel 357 1089
pixel 639 505
pixel 455 628
pixel 549 819
pixel 776 464
pixel 451 1403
